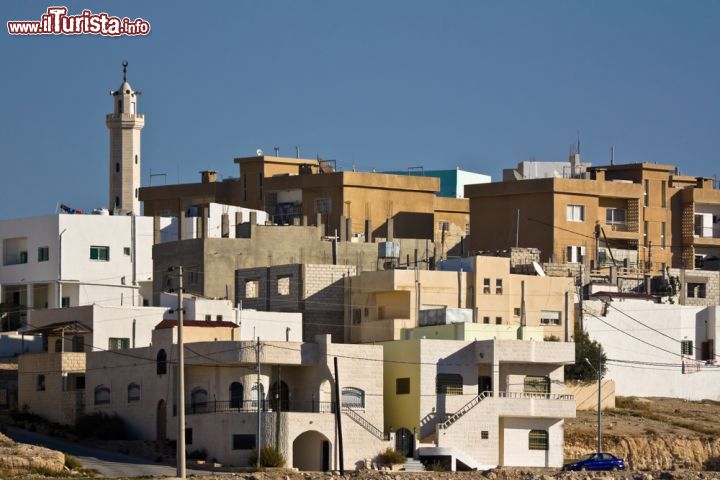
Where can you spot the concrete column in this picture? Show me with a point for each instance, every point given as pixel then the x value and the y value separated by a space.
pixel 304 220
pixel 30 302
pixel 225 226
pixel 156 230
pixel 238 221
pixel 296 221
pixel 253 222
pixel 198 227
pixel 205 215
pixel 319 224
pixel 343 230
pixel 368 231
pixel 496 377
pixel 181 223
pixel 390 230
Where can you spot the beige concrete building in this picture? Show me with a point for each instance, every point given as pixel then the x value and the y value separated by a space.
pixel 125 124
pixel 296 389
pixel 479 404
pixel 644 216
pixel 311 192
pixel 384 303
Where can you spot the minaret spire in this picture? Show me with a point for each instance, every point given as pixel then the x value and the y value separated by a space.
pixel 125 64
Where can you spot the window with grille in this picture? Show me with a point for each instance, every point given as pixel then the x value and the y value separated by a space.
pixel 353 397
pixel 550 318
pixel 323 205
pixel 118 343
pixel 449 384
pixel 538 440
pixel 535 384
pixel 102 395
pixel 686 347
pixel 133 393
pixel 484 435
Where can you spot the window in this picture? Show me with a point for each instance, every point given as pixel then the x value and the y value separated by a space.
pixel 486 320
pixel 188 436
pixel 443 226
pixel 161 362
pixel 43 254
pixel 498 320
pixel 243 442
pixel 198 398
pixel 467 229
pixel 58 345
pixel 23 257
pixel 126 251
pixel 646 192
pixel 117 167
pixel 575 254
pixel 498 286
pixel 118 343
pixel 695 290
pixel 65 302
pixel 133 393
pixel 516 312
pixel 484 435
pixel 323 205
pixel 218 318
pixel 353 397
pixel 80 382
pixel 136 159
pixel 356 316
pixel 448 384
pixel 236 395
pixel 208 318
pixel 252 288
pixel 102 395
pixel 645 233
pixel 686 347
pixel 100 253
pixel 615 216
pixel 484 384
pixel 663 193
pixel 402 386
pixel 283 285
pixel 78 343
pixel 535 384
pixel 40 383
pixel 576 213
pixel 538 440
pixel 550 318
pixel 662 234
pixel 486 285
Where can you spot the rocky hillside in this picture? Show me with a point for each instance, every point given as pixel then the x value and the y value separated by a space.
pixel 18 458
pixel 652 434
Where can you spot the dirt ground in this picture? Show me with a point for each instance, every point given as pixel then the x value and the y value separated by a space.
pixel 651 416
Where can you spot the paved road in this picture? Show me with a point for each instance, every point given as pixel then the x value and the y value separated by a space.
pixel 109 464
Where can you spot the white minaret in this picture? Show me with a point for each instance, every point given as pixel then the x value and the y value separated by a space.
pixel 125 125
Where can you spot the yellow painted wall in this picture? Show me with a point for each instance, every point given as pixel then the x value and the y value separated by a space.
pixel 401 360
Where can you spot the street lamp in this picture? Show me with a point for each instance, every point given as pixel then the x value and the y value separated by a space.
pixel 598 371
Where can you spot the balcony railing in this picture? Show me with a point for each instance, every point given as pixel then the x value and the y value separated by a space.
pixel 245 406
pixel 616 226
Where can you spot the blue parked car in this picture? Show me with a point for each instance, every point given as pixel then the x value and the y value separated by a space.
pixel 596 461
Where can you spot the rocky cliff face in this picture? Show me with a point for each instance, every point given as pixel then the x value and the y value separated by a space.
pixel 654 452
pixel 20 458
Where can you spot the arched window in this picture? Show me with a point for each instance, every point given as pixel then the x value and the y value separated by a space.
pixel 353 397
pixel 102 395
pixel 133 392
pixel 236 395
pixel 161 362
pixel 449 384
pixel 198 399
pixel 58 345
pixel 538 440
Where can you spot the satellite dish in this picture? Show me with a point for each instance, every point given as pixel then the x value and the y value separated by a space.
pixel 538 269
pixel 259 152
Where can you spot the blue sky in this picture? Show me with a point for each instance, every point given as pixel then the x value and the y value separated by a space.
pixel 386 85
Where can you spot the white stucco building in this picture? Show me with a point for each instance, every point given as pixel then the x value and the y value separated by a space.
pixel 252 324
pixel 644 341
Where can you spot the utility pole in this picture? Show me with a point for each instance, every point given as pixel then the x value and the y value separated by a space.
pixel 338 419
pixel 517 229
pixel 180 453
pixel 259 401
pixel 599 405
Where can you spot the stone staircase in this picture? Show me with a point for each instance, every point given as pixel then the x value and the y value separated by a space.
pixel 413 465
pixel 465 408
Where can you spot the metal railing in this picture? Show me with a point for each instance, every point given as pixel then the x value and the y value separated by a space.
pixel 363 422
pixel 508 395
pixel 225 406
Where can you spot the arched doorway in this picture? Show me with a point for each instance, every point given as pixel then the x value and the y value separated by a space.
pixel 161 421
pixel 279 396
pixel 311 452
pixel 325 400
pixel 404 442
pixel 236 395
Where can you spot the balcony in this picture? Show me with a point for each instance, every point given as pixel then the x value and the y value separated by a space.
pixel 547 405
pixel 251 406
pixel 621 230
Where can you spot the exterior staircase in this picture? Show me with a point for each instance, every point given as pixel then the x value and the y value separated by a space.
pixel 413 465
pixel 464 409
pixel 363 422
